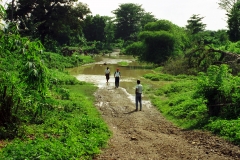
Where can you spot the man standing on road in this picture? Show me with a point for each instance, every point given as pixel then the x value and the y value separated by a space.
pixel 117 77
pixel 107 74
pixel 138 97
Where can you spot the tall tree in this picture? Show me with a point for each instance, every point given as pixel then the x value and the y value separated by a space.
pixel 109 31
pixel 195 24
pixel 227 4
pixel 94 28
pixel 234 23
pixel 55 19
pixel 128 20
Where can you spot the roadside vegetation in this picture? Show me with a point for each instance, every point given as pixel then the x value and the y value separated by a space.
pixel 209 101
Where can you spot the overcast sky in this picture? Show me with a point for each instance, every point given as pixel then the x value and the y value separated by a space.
pixel 176 11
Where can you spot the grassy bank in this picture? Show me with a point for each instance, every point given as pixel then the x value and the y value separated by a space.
pixel 70 127
pixel 185 100
pixel 62 124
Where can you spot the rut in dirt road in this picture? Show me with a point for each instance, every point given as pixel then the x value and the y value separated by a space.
pixel 146 134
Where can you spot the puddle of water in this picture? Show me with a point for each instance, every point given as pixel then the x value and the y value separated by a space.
pixel 94 73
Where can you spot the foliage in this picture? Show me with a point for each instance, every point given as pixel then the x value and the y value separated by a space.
pixel 94 28
pixel 128 18
pixel 195 24
pixel 61 78
pixel 177 102
pixel 228 129
pixel 47 114
pixel 221 90
pixel 233 47
pixel 123 63
pixel 57 61
pixel 147 18
pixel 233 23
pixel 136 49
pixel 177 66
pixel 159 41
pixel 159 76
pixel 213 38
pixel 2 12
pixel 109 32
pixel 160 45
pixel 41 20
pixel 24 80
pixel 185 101
pixel 227 4
pixel 71 129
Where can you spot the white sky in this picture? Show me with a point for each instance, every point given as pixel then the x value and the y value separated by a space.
pixel 176 11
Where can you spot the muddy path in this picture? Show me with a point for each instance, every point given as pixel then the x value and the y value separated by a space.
pixel 147 135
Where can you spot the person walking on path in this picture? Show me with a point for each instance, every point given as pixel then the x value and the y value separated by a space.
pixel 138 97
pixel 117 76
pixel 107 74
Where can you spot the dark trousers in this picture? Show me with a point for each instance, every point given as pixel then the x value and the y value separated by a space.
pixel 117 82
pixel 138 100
pixel 107 76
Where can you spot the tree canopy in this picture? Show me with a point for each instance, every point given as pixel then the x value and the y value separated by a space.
pixel 128 20
pixel 94 28
pixel 227 4
pixel 55 19
pixel 234 23
pixel 159 41
pixel 195 24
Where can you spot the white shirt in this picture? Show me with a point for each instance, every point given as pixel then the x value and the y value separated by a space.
pixel 117 74
pixel 139 88
pixel 107 71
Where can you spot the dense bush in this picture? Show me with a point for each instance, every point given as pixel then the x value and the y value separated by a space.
pixel 45 112
pixel 187 101
pixel 221 90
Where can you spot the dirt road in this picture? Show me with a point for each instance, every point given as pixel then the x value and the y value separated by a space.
pixel 147 135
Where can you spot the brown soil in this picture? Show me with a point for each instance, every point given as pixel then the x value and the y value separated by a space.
pixel 147 135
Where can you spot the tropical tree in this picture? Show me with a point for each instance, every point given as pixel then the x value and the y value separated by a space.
pixel 94 28
pixel 109 32
pixel 234 23
pixel 41 19
pixel 159 41
pixel 227 5
pixel 146 18
pixel 24 79
pixel 128 20
pixel 195 24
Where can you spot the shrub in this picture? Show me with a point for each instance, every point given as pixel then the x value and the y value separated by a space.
pixel 221 90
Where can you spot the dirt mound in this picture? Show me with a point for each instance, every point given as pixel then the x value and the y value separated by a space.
pixel 147 134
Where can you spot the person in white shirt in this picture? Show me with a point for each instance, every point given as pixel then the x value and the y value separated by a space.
pixel 107 74
pixel 138 97
pixel 117 76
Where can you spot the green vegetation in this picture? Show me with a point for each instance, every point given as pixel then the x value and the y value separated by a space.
pixel 208 101
pixel 69 127
pixel 123 63
pixel 45 113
